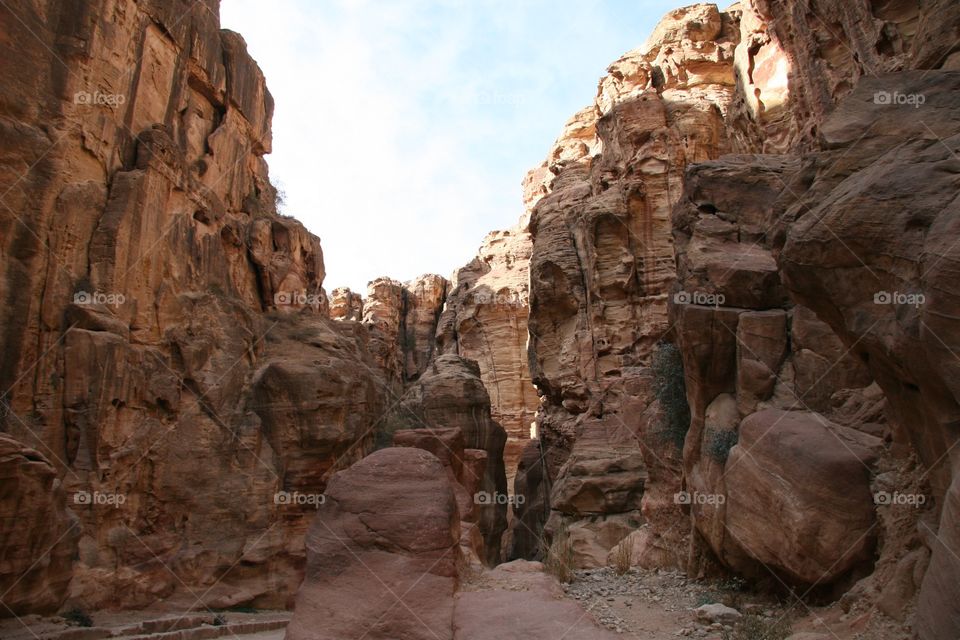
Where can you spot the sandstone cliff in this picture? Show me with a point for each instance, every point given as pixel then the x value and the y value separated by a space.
pixel 169 374
pixel 602 258
pixel 485 320
pixel 780 288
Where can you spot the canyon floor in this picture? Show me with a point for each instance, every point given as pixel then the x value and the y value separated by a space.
pixel 519 600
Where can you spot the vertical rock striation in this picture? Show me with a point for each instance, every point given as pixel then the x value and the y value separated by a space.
pixel 166 350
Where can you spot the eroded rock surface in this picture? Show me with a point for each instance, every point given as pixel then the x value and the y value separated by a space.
pixel 451 395
pixel 382 552
pixel 163 329
pixel 602 260
pixel 485 320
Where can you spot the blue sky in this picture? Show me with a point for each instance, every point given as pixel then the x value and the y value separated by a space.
pixel 403 128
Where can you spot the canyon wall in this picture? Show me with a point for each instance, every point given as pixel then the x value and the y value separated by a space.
pixel 801 305
pixel 485 320
pixel 173 394
pixel 602 264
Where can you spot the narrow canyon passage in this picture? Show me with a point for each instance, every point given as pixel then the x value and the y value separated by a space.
pixel 706 386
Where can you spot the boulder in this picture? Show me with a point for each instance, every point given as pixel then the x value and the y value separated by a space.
pixel 798 498
pixel 382 552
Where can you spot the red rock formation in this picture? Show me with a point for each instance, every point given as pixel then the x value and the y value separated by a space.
pixel 602 260
pixel 39 534
pixel 402 319
pixel 485 320
pixel 450 395
pixel 346 305
pixel 382 553
pixel 879 206
pixel 140 251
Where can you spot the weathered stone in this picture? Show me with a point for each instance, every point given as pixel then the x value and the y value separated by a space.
pixel 382 552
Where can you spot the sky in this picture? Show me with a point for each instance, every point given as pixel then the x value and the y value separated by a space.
pixel 403 128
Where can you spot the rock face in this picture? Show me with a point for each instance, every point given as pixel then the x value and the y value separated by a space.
pixel 759 373
pixel 451 395
pixel 804 291
pixel 884 217
pixel 852 233
pixel 598 492
pixel 382 552
pixel 402 320
pixel 164 334
pixel 602 258
pixel 346 305
pixel 485 320
pixel 38 535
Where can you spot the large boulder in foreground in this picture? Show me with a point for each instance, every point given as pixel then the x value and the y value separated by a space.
pixel 382 553
pixel 798 497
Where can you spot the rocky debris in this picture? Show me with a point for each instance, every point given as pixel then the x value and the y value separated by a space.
pixel 485 320
pixel 382 552
pixel 717 612
pixel 450 395
pixel 658 603
pixel 39 534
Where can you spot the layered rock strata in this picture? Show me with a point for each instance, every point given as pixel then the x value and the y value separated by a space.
pixel 602 258
pixel 166 350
